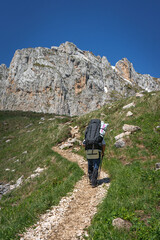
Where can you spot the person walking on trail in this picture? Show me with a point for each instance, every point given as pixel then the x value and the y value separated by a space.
pixel 95 146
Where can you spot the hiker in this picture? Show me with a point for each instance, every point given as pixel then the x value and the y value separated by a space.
pixel 95 146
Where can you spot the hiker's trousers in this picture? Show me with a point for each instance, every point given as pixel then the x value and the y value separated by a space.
pixel 93 164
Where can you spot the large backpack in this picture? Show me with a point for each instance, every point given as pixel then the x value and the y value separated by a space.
pixel 93 140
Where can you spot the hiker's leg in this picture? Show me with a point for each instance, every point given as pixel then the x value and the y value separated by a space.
pixel 90 168
pixel 96 164
pixel 94 177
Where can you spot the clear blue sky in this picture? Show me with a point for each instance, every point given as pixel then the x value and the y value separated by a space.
pixel 111 28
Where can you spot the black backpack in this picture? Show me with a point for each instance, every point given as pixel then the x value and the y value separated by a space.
pixel 93 140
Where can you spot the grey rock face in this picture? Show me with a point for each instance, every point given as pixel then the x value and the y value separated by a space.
pixel 4 188
pixel 63 80
pixel 3 81
pixel 145 81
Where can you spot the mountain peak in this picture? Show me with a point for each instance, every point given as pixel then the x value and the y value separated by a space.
pixel 66 80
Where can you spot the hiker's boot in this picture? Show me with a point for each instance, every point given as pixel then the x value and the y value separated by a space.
pixel 94 177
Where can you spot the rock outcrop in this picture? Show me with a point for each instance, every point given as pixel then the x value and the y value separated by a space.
pixel 125 69
pixel 3 81
pixel 66 80
pixel 120 223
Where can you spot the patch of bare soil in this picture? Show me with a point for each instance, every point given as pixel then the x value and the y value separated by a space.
pixel 73 215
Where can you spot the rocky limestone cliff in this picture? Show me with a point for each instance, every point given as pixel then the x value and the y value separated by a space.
pixel 66 80
pixel 3 81
pixel 125 69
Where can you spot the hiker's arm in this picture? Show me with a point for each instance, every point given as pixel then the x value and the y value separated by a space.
pixel 83 143
pixel 103 149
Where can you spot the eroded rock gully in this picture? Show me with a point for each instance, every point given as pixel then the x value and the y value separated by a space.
pixel 69 219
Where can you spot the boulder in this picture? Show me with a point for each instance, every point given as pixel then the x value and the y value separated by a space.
pixel 121 223
pixel 72 140
pixel 29 125
pixel 129 105
pixel 7 169
pixel 17 184
pixel 66 145
pixel 129 114
pixel 75 132
pixel 157 128
pixel 39 170
pixel 122 135
pixel 157 166
pixel 130 128
pixel 4 188
pixel 19 181
pixel 51 119
pixel 139 95
pixel 32 176
pixel 120 143
pixel 25 152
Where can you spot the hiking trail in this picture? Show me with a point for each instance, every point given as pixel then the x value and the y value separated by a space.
pixel 73 215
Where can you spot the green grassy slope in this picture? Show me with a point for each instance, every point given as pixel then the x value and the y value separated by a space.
pixel 31 139
pixel 134 192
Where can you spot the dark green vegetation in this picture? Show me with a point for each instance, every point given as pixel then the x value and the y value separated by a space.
pixel 28 132
pixel 41 65
pixel 134 193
